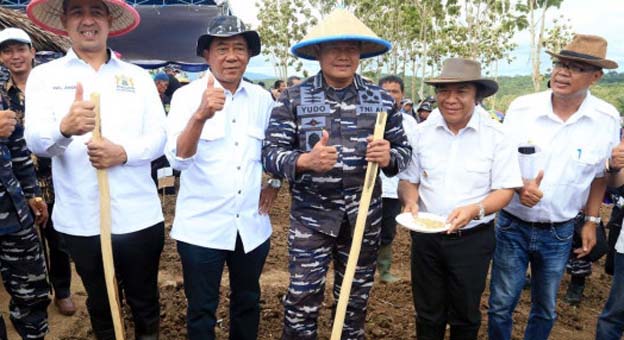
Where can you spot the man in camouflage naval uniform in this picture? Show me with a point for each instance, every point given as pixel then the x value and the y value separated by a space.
pixel 22 264
pixel 319 139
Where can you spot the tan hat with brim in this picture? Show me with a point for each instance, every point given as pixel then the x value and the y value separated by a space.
pixel 47 14
pixel 459 70
pixel 589 49
pixel 340 25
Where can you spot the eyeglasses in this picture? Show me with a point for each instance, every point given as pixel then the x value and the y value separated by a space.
pixel 575 68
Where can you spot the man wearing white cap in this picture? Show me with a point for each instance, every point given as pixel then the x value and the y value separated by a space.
pixel 319 139
pixel 17 55
pixel 22 263
pixel 60 119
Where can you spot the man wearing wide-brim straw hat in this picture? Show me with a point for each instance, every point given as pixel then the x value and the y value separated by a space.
pixel 60 120
pixel 568 135
pixel 464 170
pixel 318 139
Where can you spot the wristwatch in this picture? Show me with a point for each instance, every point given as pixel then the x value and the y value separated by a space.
pixel 274 183
pixel 481 212
pixel 592 219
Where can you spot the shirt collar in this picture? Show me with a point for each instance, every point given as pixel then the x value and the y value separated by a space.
pixel 583 111
pixel 473 123
pixel 72 57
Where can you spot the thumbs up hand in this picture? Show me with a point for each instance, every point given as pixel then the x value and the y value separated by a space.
pixel 531 194
pixel 617 157
pixel 321 158
pixel 212 101
pixel 81 116
pixel 8 121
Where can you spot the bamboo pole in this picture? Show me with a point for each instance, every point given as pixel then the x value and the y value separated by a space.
pixel 105 232
pixel 358 234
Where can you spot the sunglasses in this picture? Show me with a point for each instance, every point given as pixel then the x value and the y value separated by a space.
pixel 575 68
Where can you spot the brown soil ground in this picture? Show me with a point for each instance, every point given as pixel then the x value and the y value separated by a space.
pixel 390 311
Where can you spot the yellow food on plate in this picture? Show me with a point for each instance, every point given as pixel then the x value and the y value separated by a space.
pixel 429 223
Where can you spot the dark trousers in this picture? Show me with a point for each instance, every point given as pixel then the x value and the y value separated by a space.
pixel 203 268
pixel 136 257
pixel 23 271
pixel 59 269
pixel 448 278
pixel 391 207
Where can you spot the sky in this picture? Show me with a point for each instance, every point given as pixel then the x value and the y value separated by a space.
pixel 599 17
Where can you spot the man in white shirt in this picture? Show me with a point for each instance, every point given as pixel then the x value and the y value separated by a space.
pixel 568 135
pixel 60 120
pixel 390 205
pixel 215 131
pixel 464 169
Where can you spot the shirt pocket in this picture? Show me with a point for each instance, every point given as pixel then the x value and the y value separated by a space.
pixel 256 136
pixel 432 169
pixel 583 164
pixel 477 173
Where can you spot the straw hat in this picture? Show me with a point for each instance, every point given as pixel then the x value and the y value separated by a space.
pixel 459 70
pixel 589 49
pixel 47 14
pixel 340 25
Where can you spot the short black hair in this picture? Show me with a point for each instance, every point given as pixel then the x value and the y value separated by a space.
pixel 392 79
pixel 277 84
pixel 289 81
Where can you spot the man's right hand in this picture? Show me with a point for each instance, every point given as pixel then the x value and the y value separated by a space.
pixel 81 117
pixel 212 100
pixel 411 207
pixel 8 119
pixel 321 158
pixel 530 194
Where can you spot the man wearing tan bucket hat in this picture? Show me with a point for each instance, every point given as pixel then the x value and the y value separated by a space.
pixel 318 139
pixel 60 119
pixel 565 135
pixel 462 169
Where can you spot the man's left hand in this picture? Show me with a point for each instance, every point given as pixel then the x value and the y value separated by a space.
pixel 105 154
pixel 40 209
pixel 378 151
pixel 267 197
pixel 461 216
pixel 588 235
pixel 617 156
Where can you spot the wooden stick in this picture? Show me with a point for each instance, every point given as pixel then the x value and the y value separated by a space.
pixel 105 233
pixel 358 234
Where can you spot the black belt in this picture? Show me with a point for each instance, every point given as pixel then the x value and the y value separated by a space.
pixel 465 232
pixel 539 225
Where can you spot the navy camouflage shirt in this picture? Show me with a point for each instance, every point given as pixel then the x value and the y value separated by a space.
pixel 18 181
pixel 302 112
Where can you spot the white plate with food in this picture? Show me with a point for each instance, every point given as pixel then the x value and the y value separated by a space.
pixel 424 223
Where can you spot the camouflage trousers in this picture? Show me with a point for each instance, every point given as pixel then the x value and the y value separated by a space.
pixel 309 254
pixel 22 266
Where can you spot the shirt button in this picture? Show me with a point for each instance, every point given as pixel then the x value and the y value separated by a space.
pixel 238 167
pixel 235 143
pixel 233 120
pixel 240 191
pixel 237 215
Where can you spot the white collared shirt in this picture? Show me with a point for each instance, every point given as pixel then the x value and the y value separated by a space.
pixel 132 116
pixel 457 170
pixel 389 185
pixel 571 153
pixel 220 185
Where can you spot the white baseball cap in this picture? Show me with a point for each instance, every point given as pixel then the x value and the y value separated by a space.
pixel 14 34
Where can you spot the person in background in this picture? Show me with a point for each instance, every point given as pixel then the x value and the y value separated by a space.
pixel 278 87
pixel 424 110
pixel 292 81
pixel 162 84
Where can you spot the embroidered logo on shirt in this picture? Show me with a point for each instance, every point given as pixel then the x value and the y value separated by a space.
pixel 124 83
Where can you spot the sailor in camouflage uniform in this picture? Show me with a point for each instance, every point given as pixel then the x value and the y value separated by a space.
pixel 319 139
pixel 22 264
